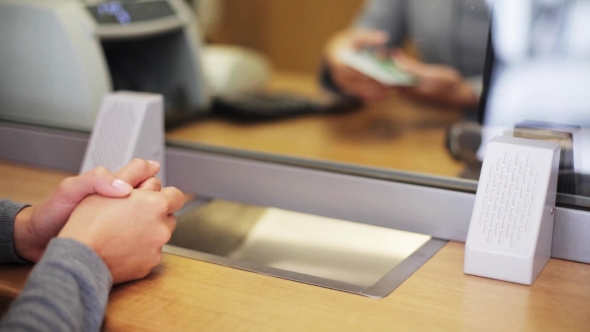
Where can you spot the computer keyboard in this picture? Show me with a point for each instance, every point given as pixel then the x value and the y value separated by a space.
pixel 269 105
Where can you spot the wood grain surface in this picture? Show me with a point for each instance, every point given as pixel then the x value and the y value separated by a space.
pixel 189 295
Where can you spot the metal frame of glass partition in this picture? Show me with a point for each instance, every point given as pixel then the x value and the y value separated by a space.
pixel 439 207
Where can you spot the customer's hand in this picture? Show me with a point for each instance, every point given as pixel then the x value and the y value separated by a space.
pixel 35 226
pixel 127 233
pixel 436 83
pixel 350 80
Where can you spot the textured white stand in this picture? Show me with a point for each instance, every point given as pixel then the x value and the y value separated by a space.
pixel 129 125
pixel 511 227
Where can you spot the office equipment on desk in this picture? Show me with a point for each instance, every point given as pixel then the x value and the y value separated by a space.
pixel 511 228
pixel 129 125
pixel 59 58
pixel 538 68
pixel 231 70
pixel 266 105
pixel 569 139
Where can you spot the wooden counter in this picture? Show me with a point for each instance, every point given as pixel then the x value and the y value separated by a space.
pixel 188 295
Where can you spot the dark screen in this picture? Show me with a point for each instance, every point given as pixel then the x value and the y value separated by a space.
pixel 117 12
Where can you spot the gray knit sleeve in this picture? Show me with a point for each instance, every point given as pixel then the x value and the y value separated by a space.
pixel 67 291
pixel 8 211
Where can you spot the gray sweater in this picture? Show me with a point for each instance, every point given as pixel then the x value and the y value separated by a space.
pixel 450 32
pixel 66 291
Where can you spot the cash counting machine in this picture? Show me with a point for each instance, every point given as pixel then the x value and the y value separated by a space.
pixel 59 58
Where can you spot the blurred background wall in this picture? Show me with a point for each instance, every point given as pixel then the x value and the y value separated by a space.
pixel 292 33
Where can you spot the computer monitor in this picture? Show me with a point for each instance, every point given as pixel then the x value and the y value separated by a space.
pixel 539 91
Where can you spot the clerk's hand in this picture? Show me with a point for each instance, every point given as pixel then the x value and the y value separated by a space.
pixel 350 80
pixel 127 233
pixel 436 83
pixel 35 226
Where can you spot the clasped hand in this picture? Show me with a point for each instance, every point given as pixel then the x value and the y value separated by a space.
pixel 124 217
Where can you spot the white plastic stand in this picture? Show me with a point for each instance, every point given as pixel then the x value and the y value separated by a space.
pixel 129 125
pixel 511 227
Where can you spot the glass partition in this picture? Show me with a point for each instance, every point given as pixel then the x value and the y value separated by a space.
pixel 399 130
pixel 294 82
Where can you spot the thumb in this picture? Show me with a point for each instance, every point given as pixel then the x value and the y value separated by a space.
pixel 71 191
pixel 97 181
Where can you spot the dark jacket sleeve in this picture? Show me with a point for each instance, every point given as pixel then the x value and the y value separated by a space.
pixel 66 291
pixel 8 211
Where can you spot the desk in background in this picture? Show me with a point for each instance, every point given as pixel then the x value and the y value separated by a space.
pixel 189 295
pixel 395 133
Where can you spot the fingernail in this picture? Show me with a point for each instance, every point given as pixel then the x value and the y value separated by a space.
pixel 153 162
pixel 122 186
